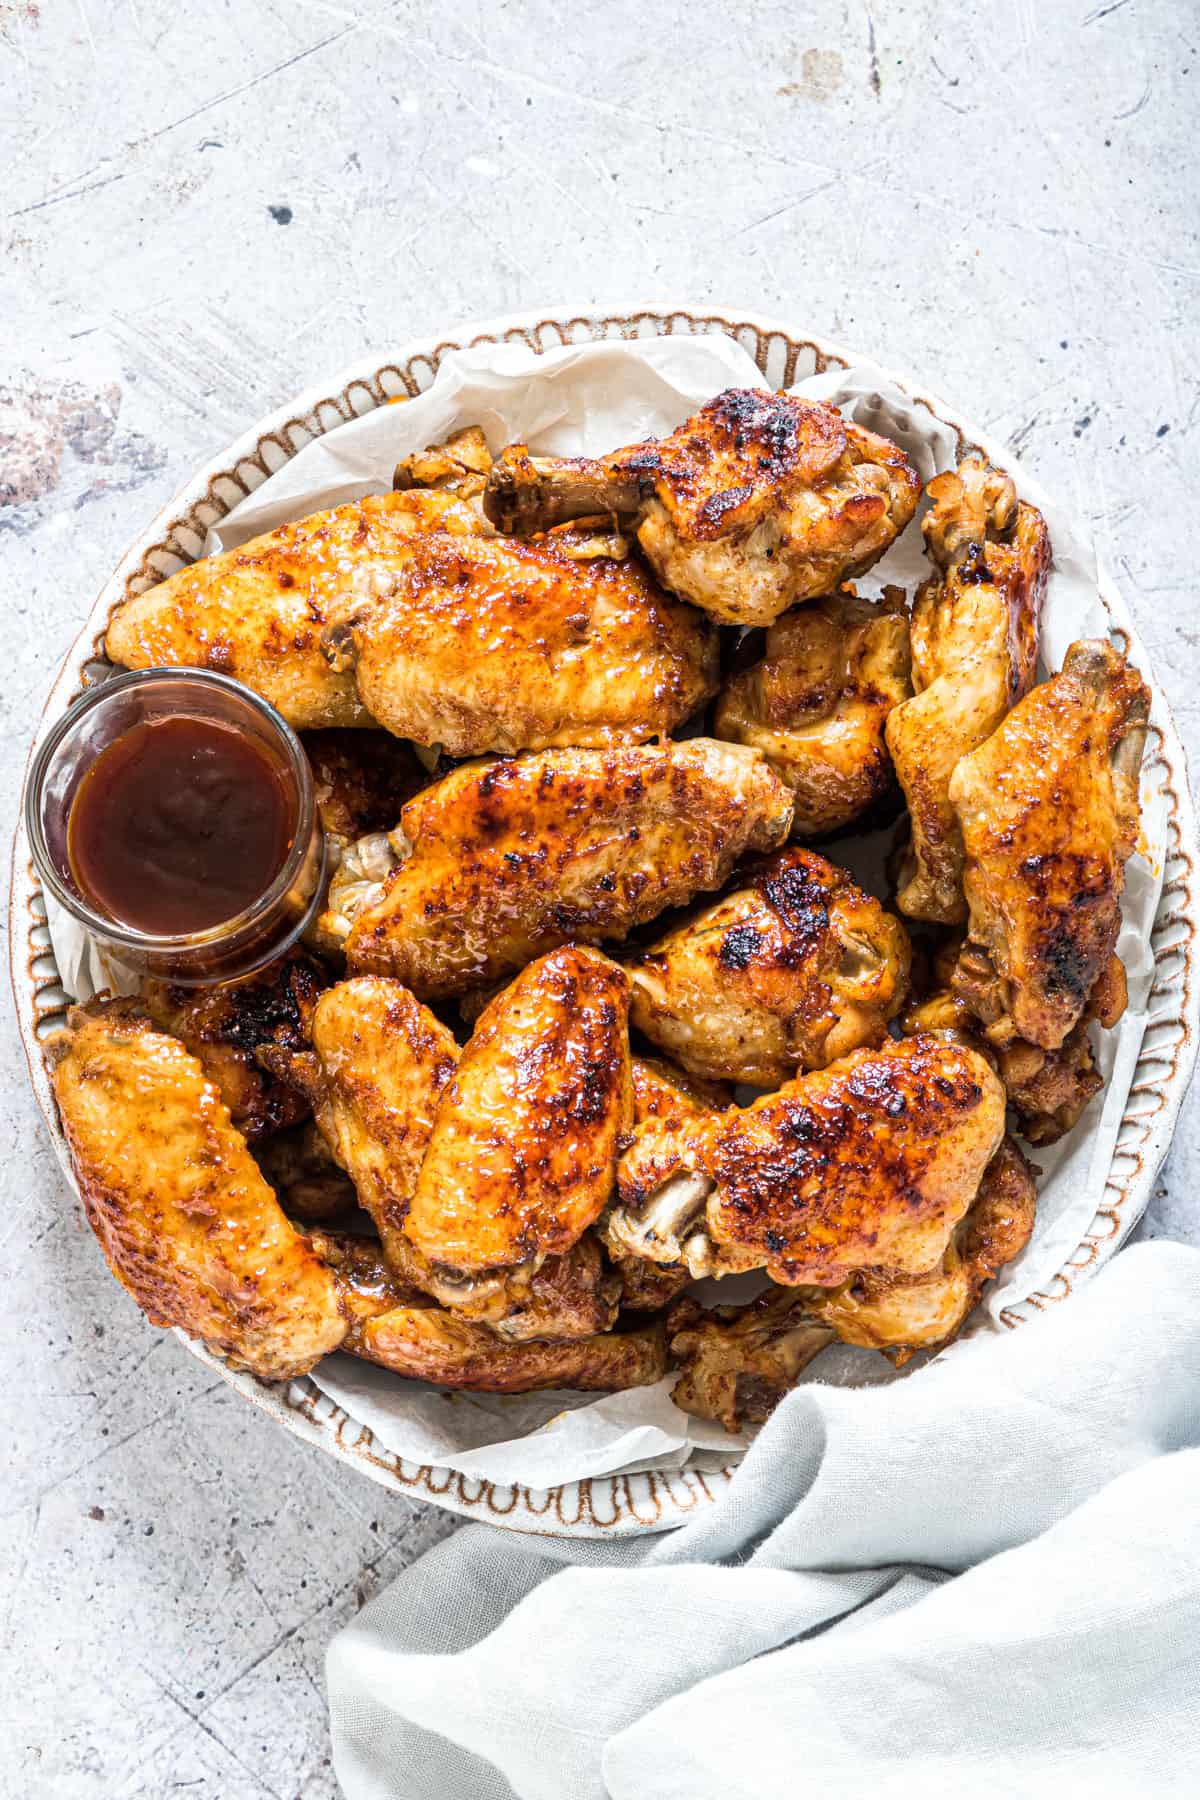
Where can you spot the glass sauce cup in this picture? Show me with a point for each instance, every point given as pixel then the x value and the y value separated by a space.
pixel 237 946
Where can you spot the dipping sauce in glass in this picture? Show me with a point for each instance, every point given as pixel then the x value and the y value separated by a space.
pixel 180 824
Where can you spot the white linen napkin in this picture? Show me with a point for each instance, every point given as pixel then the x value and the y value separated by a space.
pixel 984 1579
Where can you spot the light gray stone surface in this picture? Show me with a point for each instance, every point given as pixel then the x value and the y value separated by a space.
pixel 210 205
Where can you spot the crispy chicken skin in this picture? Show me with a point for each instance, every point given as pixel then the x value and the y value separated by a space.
pixel 428 1344
pixel 817 703
pixel 258 613
pixel 900 1314
pixel 361 780
pixel 871 1162
pixel 662 1090
pixel 509 859
pixel 738 1362
pixel 186 1221
pixel 482 644
pixel 522 1157
pixel 975 629
pixel 789 972
pixel 757 502
pixel 376 1072
pixel 225 1026
pixel 1049 814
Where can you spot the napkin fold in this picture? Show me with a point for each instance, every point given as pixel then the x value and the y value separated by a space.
pixel 984 1579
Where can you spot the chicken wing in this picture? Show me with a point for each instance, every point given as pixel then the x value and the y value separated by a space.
pixel 183 1215
pixel 258 613
pixel 482 644
pixel 872 1161
pixel 522 1157
pixel 738 1362
pixel 428 1344
pixel 308 1184
pixel 1048 808
pixel 509 859
pixel 975 628
pixel 225 1026
pixel 899 1314
pixel 787 973
pixel 757 502
pixel 376 1072
pixel 361 780
pixel 817 703
pixel 458 466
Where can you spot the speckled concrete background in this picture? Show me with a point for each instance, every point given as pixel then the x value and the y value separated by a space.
pixel 210 205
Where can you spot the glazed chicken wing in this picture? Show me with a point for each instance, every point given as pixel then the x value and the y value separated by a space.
pixel 361 779
pixel 258 613
pixel 757 502
pixel 376 1072
pixel 975 628
pixel 1049 814
pixel 391 1324
pixel 522 1157
pixel 482 644
pixel 506 860
pixel 817 703
pixel 225 1027
pixel 186 1221
pixel 872 1161
pixel 789 972
pixel 899 1314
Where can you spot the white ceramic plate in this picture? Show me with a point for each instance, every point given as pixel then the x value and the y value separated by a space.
pixel 623 1504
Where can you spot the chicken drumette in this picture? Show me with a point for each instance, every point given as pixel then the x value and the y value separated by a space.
pixel 789 972
pixel 757 502
pixel 871 1162
pixel 1048 809
pixel 975 629
pixel 817 703
pixel 505 860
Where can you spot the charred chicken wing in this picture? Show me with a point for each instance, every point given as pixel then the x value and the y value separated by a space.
pixel 975 628
pixel 506 860
pixel 871 1162
pixel 817 703
pixel 787 973
pixel 1048 808
pixel 184 1217
pixel 757 502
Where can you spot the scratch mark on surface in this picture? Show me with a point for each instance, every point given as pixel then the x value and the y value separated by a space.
pixel 245 86
pixel 1102 12
pixel 57 199
pixel 876 84
pixel 1138 104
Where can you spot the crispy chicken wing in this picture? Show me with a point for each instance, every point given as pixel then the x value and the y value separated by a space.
pixel 185 1219
pixel 757 502
pixel 1048 808
pixel 872 1161
pixel 522 1157
pixel 789 972
pixel 458 466
pixel 738 1362
pixel 258 613
pixel 225 1026
pixel 881 1310
pixel 428 1344
pixel 817 703
pixel 509 859
pixel 975 628
pixel 478 644
pixel 376 1072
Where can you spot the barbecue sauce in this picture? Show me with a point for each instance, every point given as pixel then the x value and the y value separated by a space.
pixel 179 825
